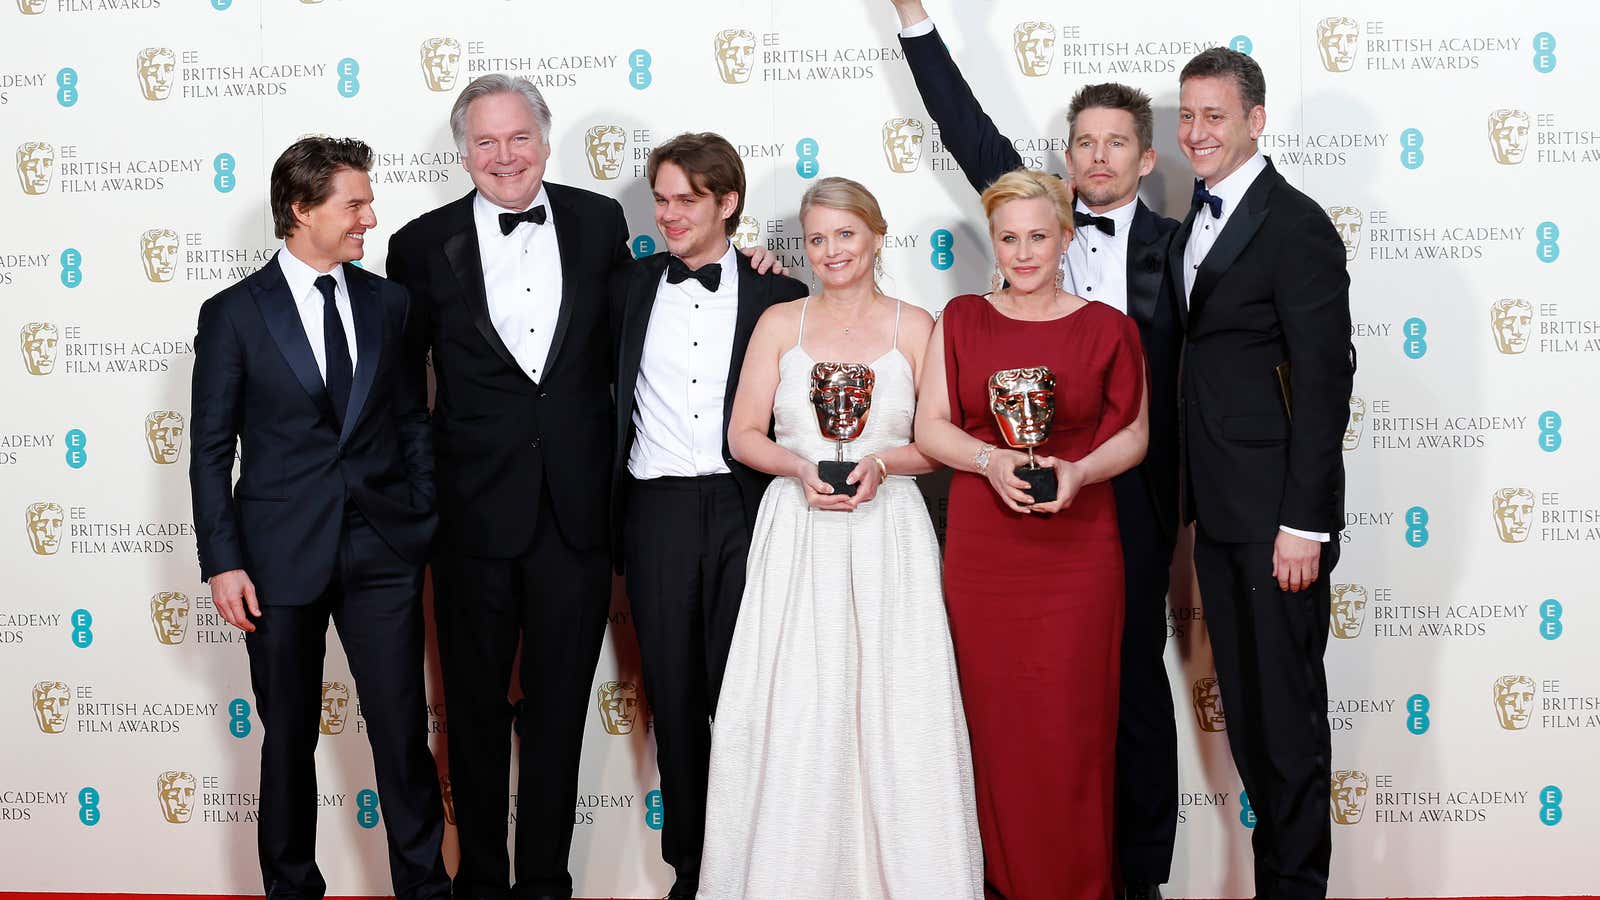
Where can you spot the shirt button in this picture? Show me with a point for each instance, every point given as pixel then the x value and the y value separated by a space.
pixel 530 331
pixel 697 343
pixel 694 381
pixel 1091 289
pixel 1094 249
pixel 528 290
pixel 697 306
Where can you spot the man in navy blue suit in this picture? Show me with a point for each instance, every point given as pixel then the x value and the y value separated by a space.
pixel 300 366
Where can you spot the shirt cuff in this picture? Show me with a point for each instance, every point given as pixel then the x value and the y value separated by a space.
pixel 1321 536
pixel 919 29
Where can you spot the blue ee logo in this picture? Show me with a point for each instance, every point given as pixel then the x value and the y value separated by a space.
pixel 1550 626
pixel 1411 148
pixel 1544 52
pixel 1415 332
pixel 67 86
pixel 223 165
pixel 1549 431
pixel 1417 721
pixel 71 268
pixel 639 76
pixel 221 5
pixel 1548 234
pixel 77 456
pixel 1550 805
pixel 367 808
pixel 807 149
pixel 1417 526
pixel 89 807
pixel 1242 44
pixel 349 84
pixel 239 717
pixel 654 810
pixel 82 629
pixel 1247 813
pixel 643 246
pixel 944 249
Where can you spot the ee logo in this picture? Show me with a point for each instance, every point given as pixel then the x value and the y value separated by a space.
pixel 71 268
pixel 643 246
pixel 654 811
pixel 1544 52
pixel 1415 332
pixel 1247 813
pixel 82 630
pixel 76 441
pixel 1417 721
pixel 807 149
pixel 223 164
pixel 67 86
pixel 1548 234
pixel 239 717
pixel 1417 526
pixel 89 807
pixel 1411 148
pixel 944 253
pixel 349 82
pixel 1550 626
pixel 1549 431
pixel 367 808
pixel 639 76
pixel 1550 805
pixel 1242 44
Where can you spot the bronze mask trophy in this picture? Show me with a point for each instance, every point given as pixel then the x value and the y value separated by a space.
pixel 1024 404
pixel 841 395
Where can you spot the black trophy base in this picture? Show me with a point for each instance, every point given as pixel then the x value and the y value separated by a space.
pixel 1041 482
pixel 835 472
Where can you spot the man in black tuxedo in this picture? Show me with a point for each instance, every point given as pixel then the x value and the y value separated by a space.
pixel 1117 256
pixel 510 284
pixel 302 365
pixel 1265 399
pixel 682 507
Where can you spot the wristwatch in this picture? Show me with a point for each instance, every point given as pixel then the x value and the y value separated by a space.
pixel 981 458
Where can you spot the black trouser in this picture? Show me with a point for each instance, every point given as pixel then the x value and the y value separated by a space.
pixel 556 599
pixel 375 600
pixel 685 546
pixel 1268 646
pixel 1147 733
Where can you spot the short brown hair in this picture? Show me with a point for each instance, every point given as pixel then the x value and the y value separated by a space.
pixel 304 174
pixel 711 163
pixel 1220 62
pixel 1030 184
pixel 1112 95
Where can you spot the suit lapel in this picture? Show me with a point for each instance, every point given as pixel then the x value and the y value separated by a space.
pixel 282 319
pixel 1236 235
pixel 753 294
pixel 569 227
pixel 367 311
pixel 461 250
pixel 1175 251
pixel 1144 266
pixel 637 306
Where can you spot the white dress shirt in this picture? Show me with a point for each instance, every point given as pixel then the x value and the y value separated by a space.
pixel 919 29
pixel 1204 234
pixel 1097 263
pixel 683 378
pixel 302 281
pixel 521 280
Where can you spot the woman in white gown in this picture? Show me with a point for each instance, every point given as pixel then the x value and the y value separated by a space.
pixel 840 766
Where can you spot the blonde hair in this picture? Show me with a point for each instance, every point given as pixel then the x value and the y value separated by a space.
pixel 1027 184
pixel 846 196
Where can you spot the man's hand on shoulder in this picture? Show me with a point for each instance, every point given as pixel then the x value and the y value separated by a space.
pixel 764 261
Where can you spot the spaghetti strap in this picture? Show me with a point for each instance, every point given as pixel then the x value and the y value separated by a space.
pixel 801 337
pixel 894 342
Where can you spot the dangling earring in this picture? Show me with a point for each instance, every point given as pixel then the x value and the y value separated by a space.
pixel 1061 272
pixel 877 270
pixel 813 282
pixel 996 280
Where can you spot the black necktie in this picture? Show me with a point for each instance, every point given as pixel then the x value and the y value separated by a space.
pixel 336 350
pixel 709 275
pixel 1206 198
pixel 1084 220
pixel 509 221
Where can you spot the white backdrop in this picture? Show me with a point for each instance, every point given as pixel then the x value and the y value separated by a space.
pixel 1457 140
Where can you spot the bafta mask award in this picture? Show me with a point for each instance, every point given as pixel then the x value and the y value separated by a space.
pixel 1024 403
pixel 841 394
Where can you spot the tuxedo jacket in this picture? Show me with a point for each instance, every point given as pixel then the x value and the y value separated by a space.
pixel 256 383
pixel 985 154
pixel 1272 289
pixel 501 437
pixel 635 295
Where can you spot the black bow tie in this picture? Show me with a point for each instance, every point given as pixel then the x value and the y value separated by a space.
pixel 709 275
pixel 1082 219
pixel 509 221
pixel 1206 198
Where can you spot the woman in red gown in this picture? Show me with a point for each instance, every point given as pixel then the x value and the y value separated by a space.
pixel 1034 590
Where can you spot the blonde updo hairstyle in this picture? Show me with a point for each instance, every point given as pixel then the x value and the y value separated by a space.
pixel 1028 184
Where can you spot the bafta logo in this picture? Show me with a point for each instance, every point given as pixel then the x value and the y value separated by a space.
pixel 1347 796
pixel 52 700
pixel 902 143
pixel 1035 46
pixel 169 613
pixel 1347 221
pixel 1347 609
pixel 1337 37
pixel 1352 431
pixel 175 791
pixel 619 706
pixel 163 436
pixel 158 249
pixel 603 145
pixel 441 59
pixel 156 66
pixel 31 7
pixel 449 795
pixel 44 527
pixel 1512 322
pixel 1513 514
pixel 40 341
pixel 736 55
pixel 747 234
pixel 1508 135
pixel 36 163
pixel 335 707
pixel 1513 701
pixel 1208 705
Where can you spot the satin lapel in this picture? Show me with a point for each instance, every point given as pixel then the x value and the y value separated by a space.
pixel 753 293
pixel 1240 230
pixel 1144 266
pixel 283 323
pixel 367 310
pixel 461 249
pixel 1180 241
pixel 639 303
pixel 569 226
